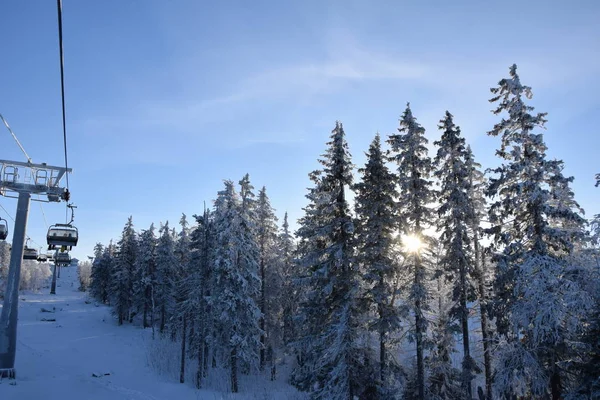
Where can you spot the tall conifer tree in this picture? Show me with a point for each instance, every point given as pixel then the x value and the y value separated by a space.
pixel 166 264
pixel 334 366
pixel 289 292
pixel 536 296
pixel 145 282
pixel 266 230
pixel 415 188
pixel 123 273
pixel 377 252
pixel 236 283
pixel 456 217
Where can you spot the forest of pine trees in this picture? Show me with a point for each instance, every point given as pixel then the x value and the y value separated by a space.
pixel 436 281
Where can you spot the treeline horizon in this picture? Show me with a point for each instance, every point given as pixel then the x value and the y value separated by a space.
pixel 343 297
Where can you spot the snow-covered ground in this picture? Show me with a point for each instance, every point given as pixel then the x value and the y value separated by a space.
pixel 84 355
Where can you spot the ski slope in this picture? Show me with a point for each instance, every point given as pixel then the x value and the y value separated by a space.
pixel 68 358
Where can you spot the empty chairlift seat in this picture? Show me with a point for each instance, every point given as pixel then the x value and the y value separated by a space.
pixel 30 254
pixel 63 259
pixel 62 235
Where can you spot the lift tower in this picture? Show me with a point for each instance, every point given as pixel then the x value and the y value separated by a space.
pixel 22 179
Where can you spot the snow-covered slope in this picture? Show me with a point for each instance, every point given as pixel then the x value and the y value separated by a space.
pixel 59 359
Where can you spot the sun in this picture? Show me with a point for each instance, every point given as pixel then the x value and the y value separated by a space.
pixel 412 243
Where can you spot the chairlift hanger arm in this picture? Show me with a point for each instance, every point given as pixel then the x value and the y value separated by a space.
pixel 72 207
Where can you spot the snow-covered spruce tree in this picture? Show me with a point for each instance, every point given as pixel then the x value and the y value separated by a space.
pixel 100 276
pixel 456 214
pixel 335 366
pixel 109 257
pixel 408 149
pixel 166 263
pixel 289 292
pixel 84 270
pixel 377 251
pixel 562 199
pixel 445 381
pixel 477 185
pixel 180 320
pixel 247 197
pixel 145 280
pixel 538 305
pixel 236 284
pixel 199 282
pixel 586 367
pixel 123 273
pixel 589 374
pixel 249 213
pixel 184 240
pixel 271 282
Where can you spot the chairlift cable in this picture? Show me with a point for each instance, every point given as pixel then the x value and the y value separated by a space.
pixel 32 241
pixel 9 216
pixel 43 213
pixel 16 140
pixel 62 89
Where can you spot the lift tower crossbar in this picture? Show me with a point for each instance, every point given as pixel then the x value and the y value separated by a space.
pixel 25 179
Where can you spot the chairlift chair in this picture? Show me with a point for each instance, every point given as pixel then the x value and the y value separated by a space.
pixel 63 259
pixel 60 235
pixel 3 229
pixel 29 253
pixel 42 257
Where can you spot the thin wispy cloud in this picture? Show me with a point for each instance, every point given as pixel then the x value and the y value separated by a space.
pixel 346 62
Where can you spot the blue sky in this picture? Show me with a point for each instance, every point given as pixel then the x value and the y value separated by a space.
pixel 165 99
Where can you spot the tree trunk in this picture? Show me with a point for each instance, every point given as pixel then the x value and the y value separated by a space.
pixel 486 337
pixel 146 305
pixel 419 332
pixel 162 318
pixel 262 308
pixel 555 382
pixel 287 323
pixel 201 364
pixel 153 306
pixel 381 347
pixel 464 318
pixel 234 376
pixel 205 360
pixel 273 365
pixel 191 336
pixel 173 332
pixel 183 341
